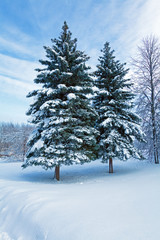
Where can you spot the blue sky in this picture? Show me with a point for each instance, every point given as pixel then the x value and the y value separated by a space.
pixel 26 26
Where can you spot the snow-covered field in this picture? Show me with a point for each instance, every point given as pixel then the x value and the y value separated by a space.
pixel 87 204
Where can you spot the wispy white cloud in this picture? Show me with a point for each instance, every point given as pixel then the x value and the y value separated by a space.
pixel 14 46
pixel 16 80
pixel 17 43
pixel 141 18
pixel 16 88
pixel 122 23
pixel 17 68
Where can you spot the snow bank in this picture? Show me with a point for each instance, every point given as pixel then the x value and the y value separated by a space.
pixel 87 204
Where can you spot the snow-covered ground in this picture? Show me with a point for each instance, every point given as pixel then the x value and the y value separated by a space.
pixel 87 204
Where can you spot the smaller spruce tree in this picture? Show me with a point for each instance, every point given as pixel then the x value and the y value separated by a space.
pixel 118 125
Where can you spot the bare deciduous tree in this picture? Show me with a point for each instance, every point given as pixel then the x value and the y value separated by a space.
pixel 147 79
pixel 13 140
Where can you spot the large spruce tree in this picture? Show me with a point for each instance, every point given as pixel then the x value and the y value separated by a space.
pixel 118 125
pixel 63 117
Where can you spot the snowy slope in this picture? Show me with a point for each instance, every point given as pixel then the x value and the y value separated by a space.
pixel 88 203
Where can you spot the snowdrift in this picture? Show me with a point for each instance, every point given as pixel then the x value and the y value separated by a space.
pixel 87 204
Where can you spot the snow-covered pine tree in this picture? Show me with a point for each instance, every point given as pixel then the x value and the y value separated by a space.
pixel 62 114
pixel 117 123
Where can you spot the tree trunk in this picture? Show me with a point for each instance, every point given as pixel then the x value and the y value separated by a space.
pixel 154 128
pixel 24 147
pixel 155 148
pixel 57 169
pixel 110 165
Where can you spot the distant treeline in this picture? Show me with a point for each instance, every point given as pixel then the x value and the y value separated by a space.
pixel 13 140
